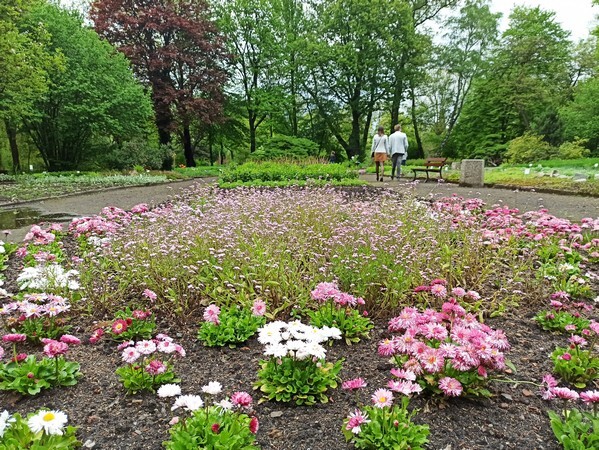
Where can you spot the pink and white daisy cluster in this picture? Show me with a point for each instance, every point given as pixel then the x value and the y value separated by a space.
pixel 54 348
pixel 36 306
pixel 239 402
pixel 551 390
pixel 441 344
pixel 329 291
pixel 38 236
pixel 295 339
pixel 132 352
pixel 438 288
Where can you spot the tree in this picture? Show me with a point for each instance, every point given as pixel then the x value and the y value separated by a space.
pixel 470 36
pixel 23 69
pixel 175 47
pixel 252 38
pixel 404 67
pixel 345 58
pixel 95 94
pixel 525 84
pixel 581 116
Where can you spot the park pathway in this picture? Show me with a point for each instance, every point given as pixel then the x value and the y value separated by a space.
pixel 566 206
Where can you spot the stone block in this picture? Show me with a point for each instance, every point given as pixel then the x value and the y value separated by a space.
pixel 473 172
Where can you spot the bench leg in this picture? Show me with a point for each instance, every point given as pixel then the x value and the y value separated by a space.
pixel 427 177
pixel 414 179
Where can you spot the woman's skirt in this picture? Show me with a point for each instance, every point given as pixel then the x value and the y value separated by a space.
pixel 380 157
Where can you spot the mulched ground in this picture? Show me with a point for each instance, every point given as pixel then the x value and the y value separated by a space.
pixel 514 418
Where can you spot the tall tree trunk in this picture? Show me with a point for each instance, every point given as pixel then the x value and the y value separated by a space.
pixel 210 139
pixel 11 132
pixel 293 90
pixel 162 113
pixel 187 147
pixel 419 148
pixel 222 152
pixel 253 126
pixel 354 147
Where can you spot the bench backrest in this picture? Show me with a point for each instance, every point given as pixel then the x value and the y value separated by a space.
pixel 435 162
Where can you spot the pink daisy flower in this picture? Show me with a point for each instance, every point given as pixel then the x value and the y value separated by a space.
pixel 356 420
pixel 155 367
pixel 242 399
pixel 590 396
pixel 146 347
pixel 211 314
pixel 130 355
pixel 438 290
pixel 450 386
pixel 259 308
pixel 254 425
pixel 354 384
pixel 382 398
pixel 69 339
pixel 386 347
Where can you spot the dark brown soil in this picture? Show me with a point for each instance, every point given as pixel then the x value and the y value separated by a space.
pixel 514 418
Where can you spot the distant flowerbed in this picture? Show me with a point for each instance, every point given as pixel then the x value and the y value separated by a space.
pixel 28 187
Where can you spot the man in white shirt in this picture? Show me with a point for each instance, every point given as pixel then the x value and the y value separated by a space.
pixel 398 149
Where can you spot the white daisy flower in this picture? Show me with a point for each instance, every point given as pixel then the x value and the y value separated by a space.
pixel 169 390
pixel 212 388
pixel 50 422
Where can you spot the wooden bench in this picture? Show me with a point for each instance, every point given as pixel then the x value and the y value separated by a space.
pixel 431 165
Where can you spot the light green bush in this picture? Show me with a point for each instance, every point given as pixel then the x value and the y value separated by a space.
pixel 529 148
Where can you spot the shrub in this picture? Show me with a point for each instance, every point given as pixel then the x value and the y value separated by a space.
pixel 282 146
pixel 269 171
pixel 528 148
pixel 133 153
pixel 573 150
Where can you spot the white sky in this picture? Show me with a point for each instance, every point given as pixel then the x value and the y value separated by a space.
pixel 576 16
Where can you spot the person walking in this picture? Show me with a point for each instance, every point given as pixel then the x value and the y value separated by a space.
pixel 398 149
pixel 380 148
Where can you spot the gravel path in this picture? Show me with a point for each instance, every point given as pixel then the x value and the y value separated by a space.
pixel 566 206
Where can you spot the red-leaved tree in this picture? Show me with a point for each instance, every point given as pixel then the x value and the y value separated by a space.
pixel 176 49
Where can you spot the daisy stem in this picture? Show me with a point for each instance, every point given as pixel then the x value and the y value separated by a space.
pixel 14 352
pixel 56 367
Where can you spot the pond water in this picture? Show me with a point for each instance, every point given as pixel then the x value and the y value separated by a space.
pixel 19 217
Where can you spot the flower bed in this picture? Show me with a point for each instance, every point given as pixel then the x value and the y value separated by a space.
pixel 278 260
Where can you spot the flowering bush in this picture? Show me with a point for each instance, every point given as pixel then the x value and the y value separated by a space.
pixel 296 370
pixel 37 316
pixel 446 352
pixel 338 309
pixel 146 369
pixel 232 325
pixel 28 375
pixel 42 430
pixel 573 363
pixel 384 426
pixel 136 324
pixel 229 424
